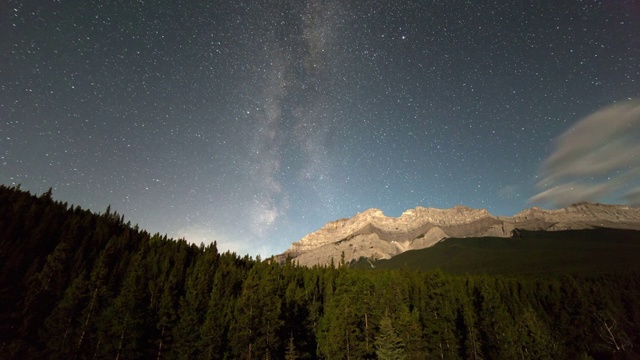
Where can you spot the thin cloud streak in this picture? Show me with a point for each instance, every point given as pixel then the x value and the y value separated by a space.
pixel 598 159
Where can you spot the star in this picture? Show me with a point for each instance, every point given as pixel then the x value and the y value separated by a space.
pixel 253 124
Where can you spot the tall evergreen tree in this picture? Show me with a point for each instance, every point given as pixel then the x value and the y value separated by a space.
pixel 257 316
pixel 389 346
pixel 193 306
pixel 438 316
pixel 344 328
pixel 410 332
pixel 226 283
pixel 292 352
pixel 123 323
pixel 62 327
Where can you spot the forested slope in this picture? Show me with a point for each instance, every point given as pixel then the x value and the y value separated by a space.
pixel 76 285
pixel 531 253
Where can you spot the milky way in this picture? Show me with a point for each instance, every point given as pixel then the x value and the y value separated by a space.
pixel 254 123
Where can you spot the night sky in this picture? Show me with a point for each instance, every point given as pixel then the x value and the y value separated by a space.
pixel 253 123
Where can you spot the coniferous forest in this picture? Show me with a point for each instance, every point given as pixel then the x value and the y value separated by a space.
pixel 79 285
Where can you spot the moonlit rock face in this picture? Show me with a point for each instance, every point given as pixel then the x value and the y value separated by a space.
pixel 371 234
pixel 397 229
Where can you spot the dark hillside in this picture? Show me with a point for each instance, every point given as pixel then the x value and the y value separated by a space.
pixel 531 253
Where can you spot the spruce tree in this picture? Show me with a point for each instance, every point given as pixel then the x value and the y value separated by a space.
pixel 292 353
pixel 389 346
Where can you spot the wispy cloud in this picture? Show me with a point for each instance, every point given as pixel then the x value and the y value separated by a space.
pixel 597 159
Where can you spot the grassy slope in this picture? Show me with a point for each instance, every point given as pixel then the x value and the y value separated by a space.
pixel 534 253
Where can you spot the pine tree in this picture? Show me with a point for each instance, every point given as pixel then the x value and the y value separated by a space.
pixel 123 323
pixel 389 346
pixel 498 333
pixel 438 316
pixel 292 353
pixel 257 317
pixel 410 332
pixel 534 337
pixel 62 326
pixel 176 260
pixel 466 320
pixel 214 331
pixel 344 329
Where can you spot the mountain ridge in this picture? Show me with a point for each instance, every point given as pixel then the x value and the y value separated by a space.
pixel 372 234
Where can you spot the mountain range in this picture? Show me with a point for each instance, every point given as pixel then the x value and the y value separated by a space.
pixel 371 234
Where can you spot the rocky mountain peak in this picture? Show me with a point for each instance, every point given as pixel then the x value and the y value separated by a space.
pixel 372 234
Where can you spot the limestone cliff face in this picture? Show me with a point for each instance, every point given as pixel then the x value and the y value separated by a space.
pixel 404 228
pixel 577 216
pixel 371 234
pixel 334 231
